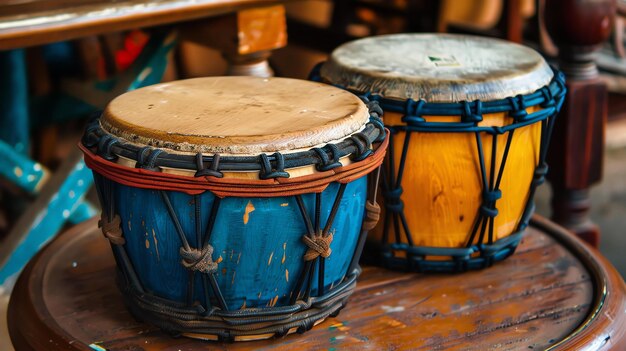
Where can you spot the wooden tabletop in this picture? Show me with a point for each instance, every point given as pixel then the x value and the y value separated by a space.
pixel 35 22
pixel 553 292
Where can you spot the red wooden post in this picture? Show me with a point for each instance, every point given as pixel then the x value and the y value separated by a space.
pixel 578 28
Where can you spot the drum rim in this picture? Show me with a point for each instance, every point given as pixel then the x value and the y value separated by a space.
pixel 443 89
pixel 209 119
pixel 548 97
pixel 357 147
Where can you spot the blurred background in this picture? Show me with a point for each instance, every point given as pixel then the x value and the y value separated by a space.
pixel 49 90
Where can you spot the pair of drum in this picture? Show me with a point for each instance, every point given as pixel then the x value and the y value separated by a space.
pixel 238 207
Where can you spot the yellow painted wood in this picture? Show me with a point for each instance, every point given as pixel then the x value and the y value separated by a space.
pixel 442 180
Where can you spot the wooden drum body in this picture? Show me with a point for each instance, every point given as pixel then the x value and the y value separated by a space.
pixel 227 219
pixel 470 121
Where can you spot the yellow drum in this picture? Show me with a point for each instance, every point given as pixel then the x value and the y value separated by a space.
pixel 470 120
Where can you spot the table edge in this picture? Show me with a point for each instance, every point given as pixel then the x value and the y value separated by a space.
pixel 598 328
pixel 40 35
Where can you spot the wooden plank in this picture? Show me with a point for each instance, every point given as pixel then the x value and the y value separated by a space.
pixel 45 217
pixel 21 170
pixel 36 22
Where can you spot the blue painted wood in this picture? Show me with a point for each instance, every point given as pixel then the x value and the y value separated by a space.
pixel 65 201
pixel 14 97
pixel 257 242
pixel 44 219
pixel 21 170
pixel 150 65
pixel 84 211
pixel 91 96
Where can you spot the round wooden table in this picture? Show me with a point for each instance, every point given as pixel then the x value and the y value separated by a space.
pixel 554 292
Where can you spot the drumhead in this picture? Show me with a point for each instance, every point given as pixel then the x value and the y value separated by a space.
pixel 235 115
pixel 437 67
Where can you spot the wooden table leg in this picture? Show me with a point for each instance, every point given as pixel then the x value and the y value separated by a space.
pixel 255 64
pixel 578 28
pixel 245 38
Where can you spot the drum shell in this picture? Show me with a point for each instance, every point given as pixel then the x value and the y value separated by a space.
pixel 442 183
pixel 257 241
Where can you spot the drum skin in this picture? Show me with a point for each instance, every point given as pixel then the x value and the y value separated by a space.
pixel 442 184
pixel 257 242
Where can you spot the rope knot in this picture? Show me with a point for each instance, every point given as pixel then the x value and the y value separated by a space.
pixel 326 163
pixel 112 229
pixel 518 105
pixel 147 158
pixel 378 124
pixel 363 146
pixel 540 174
pixel 198 260
pixel 413 112
pixel 393 202
pixel 489 211
pixel 105 146
pixel 267 172
pixel 372 215
pixel 212 171
pixel 319 245
pixel 468 115
pixel 548 99
pixel 492 195
pixel 374 108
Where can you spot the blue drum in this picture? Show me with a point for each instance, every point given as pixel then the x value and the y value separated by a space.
pixel 237 207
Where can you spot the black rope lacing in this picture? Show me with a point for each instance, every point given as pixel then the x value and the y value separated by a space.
pixel 358 146
pixel 212 170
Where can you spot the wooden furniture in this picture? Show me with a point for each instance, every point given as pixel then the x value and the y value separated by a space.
pixel 248 31
pixel 553 292
pixel 245 38
pixel 246 27
pixel 60 196
pixel 578 28
pixel 37 22
pixel 336 22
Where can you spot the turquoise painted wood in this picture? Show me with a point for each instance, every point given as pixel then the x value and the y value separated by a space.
pixel 46 223
pixel 83 212
pixel 14 96
pixel 257 242
pixel 20 169
pixel 66 204
pixel 91 96
pixel 150 66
